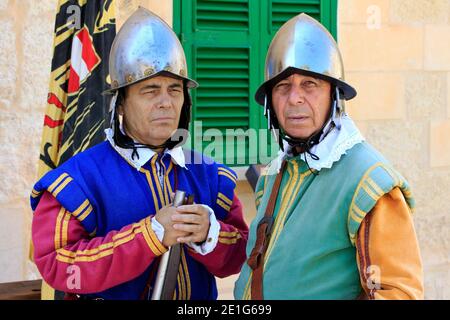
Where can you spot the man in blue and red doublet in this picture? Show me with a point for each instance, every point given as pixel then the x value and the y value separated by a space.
pixel 104 217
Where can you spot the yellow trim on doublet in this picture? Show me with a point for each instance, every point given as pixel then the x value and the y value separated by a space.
pixel 61 186
pixel 96 253
pixel 65 228
pixel 80 208
pixel 152 240
pixel 102 250
pixel 181 283
pixel 35 193
pixel 147 238
pixel 224 198
pixel 155 176
pixel 356 218
pixel 229 240
pixel 167 182
pixel 247 292
pixel 149 181
pixel 374 186
pixel 223 205
pixel 394 175
pixel 285 208
pixel 369 192
pixel 186 272
pixel 293 181
pixel 174 297
pixel 118 238
pixel 223 173
pixel 357 214
pixel 226 237
pixel 57 181
pixel 85 214
pixel 70 260
pixel 266 178
pixel 59 218
pixel 227 234
pixel 155 239
pixel 361 182
pixel 407 193
pixel 227 171
pixel 166 177
pixel 246 295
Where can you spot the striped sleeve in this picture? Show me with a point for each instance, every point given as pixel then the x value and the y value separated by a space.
pixel 378 180
pixel 62 187
pixel 226 184
pixel 70 260
pixel 229 254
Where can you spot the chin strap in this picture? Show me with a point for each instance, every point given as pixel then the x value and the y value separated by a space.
pixel 112 108
pixel 337 110
pixel 304 146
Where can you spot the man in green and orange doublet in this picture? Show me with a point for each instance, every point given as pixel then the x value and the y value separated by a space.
pixel 333 217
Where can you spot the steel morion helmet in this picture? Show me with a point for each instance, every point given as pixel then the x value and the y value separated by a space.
pixel 302 45
pixel 144 47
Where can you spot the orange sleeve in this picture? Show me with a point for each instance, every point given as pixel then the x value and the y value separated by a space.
pixel 388 253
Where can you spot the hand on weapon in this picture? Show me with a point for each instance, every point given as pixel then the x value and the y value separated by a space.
pixel 191 219
pixel 166 277
pixel 164 217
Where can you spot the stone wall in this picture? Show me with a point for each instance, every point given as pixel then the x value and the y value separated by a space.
pixel 25 58
pixel 26 43
pixel 397 54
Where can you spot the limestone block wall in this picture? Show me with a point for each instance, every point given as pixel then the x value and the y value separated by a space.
pixel 25 58
pixel 397 54
pixel 26 44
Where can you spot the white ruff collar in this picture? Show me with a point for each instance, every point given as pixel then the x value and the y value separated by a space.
pixel 330 149
pixel 145 154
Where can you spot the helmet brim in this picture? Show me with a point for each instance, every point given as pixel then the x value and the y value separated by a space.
pixel 190 84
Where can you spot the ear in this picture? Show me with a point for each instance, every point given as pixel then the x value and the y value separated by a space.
pixel 120 108
pixel 121 101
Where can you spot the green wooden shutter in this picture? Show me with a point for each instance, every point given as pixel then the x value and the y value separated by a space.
pixel 281 11
pixel 225 43
pixel 217 39
pixel 223 100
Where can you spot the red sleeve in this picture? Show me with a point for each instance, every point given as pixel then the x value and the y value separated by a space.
pixel 71 261
pixel 229 254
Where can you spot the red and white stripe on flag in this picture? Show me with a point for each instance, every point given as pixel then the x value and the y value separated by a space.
pixel 84 59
